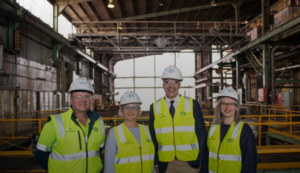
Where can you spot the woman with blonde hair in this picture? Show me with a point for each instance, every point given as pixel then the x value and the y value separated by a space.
pixel 231 142
pixel 129 147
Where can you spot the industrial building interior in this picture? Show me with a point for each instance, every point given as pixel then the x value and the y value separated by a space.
pixel 120 45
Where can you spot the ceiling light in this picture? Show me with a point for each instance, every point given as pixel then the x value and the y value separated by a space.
pixel 246 22
pixel 110 4
pixel 198 24
pixel 213 3
pixel 160 4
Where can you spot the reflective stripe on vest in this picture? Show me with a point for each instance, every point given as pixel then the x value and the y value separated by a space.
pixel 234 134
pixel 229 157
pixel 187 106
pixel 164 130
pixel 43 147
pixel 148 157
pixel 146 130
pixel 210 171
pixel 134 159
pixel 166 147
pixel 184 128
pixel 101 125
pixel 74 156
pixel 128 160
pixel 121 133
pixel 213 155
pixel 60 125
pixel 177 129
pixel 187 147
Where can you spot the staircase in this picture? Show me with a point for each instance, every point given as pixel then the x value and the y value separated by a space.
pixel 255 62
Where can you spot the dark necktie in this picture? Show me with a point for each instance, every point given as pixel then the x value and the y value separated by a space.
pixel 172 109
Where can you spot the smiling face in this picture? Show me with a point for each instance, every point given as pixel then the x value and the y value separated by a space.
pixel 171 87
pixel 130 111
pixel 80 101
pixel 228 107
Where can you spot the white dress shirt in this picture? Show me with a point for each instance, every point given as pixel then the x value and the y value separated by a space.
pixel 176 101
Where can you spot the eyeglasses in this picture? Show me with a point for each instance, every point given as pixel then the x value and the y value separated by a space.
pixel 133 108
pixel 80 97
pixel 229 105
pixel 171 82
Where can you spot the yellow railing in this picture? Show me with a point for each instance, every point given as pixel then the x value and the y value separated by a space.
pixel 285 119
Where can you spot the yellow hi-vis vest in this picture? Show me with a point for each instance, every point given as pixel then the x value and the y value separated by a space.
pixel 73 152
pixel 177 136
pixel 131 157
pixel 227 157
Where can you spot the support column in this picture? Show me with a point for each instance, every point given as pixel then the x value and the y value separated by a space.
pixel 56 48
pixel 221 67
pixel 92 70
pixel 78 64
pixel 62 82
pixel 101 82
pixel 265 6
pixel 237 17
pixel 265 77
pixel 55 17
pixel 56 12
pixel 238 59
pixel 12 25
pixel 222 76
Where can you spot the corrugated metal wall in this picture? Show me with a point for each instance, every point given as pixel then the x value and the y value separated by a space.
pixel 35 46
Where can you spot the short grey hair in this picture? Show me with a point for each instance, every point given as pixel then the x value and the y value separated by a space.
pixel 122 108
pixel 218 119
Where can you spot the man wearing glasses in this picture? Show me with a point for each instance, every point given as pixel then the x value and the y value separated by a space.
pixel 177 129
pixel 72 141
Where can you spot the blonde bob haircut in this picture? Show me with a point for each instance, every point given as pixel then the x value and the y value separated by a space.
pixel 218 118
pixel 122 108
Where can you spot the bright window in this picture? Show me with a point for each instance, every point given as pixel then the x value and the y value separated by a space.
pixel 146 82
pixel 40 8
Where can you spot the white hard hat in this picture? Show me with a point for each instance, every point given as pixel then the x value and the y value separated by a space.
pixel 130 97
pixel 229 92
pixel 172 72
pixel 81 85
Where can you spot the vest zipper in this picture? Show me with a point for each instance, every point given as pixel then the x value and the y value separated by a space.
pixel 141 159
pixel 79 140
pixel 218 158
pixel 86 151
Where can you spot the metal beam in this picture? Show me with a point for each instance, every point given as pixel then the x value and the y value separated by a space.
pixel 94 61
pixel 86 35
pixel 261 39
pixel 164 13
pixel 69 2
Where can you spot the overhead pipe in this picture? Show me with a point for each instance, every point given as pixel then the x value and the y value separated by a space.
pixel 273 92
pixel 288 68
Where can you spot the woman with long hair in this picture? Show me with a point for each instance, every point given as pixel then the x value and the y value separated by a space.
pixel 230 141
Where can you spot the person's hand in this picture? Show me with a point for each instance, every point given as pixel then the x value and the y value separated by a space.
pixel 156 169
